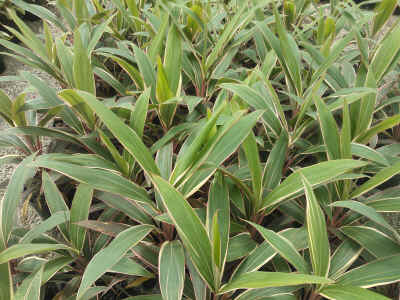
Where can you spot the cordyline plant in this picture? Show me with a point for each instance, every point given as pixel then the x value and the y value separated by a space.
pixel 204 150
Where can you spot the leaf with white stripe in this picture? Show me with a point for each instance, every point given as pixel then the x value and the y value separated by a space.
pixel 172 270
pixel 317 233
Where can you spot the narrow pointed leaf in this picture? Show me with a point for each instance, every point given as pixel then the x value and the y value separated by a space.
pixel 329 129
pixel 218 207
pixel 126 136
pixel 364 210
pixel 54 220
pixel 378 272
pixel 80 212
pixel 253 159
pixel 276 160
pixel 349 293
pixel 374 241
pixel 316 174
pixel 130 267
pixel 317 233
pixel 99 179
pixel 12 197
pixel 82 68
pixel 30 287
pixel 184 161
pixel 190 229
pixel 109 256
pixel 343 258
pixel 284 247
pixel 264 252
pixel 55 200
pixel 257 280
pixel 173 58
pixel 172 270
pixel 20 250
pixel 379 178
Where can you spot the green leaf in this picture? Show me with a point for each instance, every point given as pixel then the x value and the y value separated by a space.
pixel 264 252
pixel 55 200
pixel 79 106
pixel 366 211
pixel 257 280
pixel 378 272
pixel 80 10
pixel 12 198
pixel 133 73
pixel 379 178
pixel 140 112
pixel 146 69
pixel 102 180
pixel 163 91
pixel 125 135
pixel 155 48
pixel 48 94
pixel 8 209
pixel 110 80
pixel 385 205
pixel 173 58
pixel 41 12
pixel 54 220
pixel 111 255
pixel 368 153
pixel 240 19
pixel 28 37
pixel 260 102
pixel 187 159
pixel 343 258
pixel 253 159
pixel 290 53
pixel 275 163
pixel 239 246
pixel 130 208
pixel 349 293
pixel 374 241
pixel 317 233
pixel 268 293
pixel 66 60
pixel 199 286
pixel 172 270
pixel 82 68
pixel 387 54
pixel 80 212
pixel 20 250
pixel 284 247
pixel 218 210
pixel 163 94
pixel 18 115
pixel 190 229
pixel 387 123
pixel 53 267
pixel 316 174
pixel 329 129
pixel 383 12
pixel 228 139
pixel 30 287
pixel 6 107
pixel 118 159
pixel 129 267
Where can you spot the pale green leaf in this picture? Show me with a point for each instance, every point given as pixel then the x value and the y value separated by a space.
pixel 171 270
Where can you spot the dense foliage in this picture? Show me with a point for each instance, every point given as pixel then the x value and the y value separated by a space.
pixel 204 150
